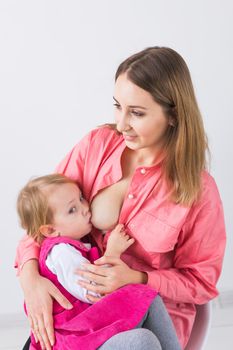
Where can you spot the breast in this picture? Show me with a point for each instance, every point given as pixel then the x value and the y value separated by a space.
pixel 106 205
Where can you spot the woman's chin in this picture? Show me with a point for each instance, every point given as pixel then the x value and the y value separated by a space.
pixel 132 145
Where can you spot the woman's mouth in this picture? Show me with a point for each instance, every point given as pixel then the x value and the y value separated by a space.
pixel 129 137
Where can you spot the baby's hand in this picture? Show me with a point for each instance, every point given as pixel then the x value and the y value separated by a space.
pixel 118 241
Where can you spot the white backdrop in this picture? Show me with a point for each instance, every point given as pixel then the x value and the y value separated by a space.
pixel 57 65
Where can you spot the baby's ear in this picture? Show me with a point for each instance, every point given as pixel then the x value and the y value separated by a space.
pixel 48 231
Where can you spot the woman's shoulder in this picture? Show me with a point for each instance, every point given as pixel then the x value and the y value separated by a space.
pixel 106 131
pixel 208 181
pixel 208 201
pixel 105 135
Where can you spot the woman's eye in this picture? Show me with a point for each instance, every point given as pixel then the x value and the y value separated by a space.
pixel 81 198
pixel 72 210
pixel 137 114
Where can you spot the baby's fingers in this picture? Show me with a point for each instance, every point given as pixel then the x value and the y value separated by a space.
pixel 130 242
pixel 120 228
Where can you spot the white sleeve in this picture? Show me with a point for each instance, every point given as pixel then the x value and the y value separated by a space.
pixel 63 260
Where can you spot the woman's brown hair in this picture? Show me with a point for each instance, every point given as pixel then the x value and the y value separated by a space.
pixel 163 73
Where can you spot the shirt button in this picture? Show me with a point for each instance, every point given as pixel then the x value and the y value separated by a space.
pixel 130 196
pixel 143 171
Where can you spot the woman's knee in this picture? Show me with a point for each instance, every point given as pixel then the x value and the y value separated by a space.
pixel 158 302
pixel 145 340
pixel 135 339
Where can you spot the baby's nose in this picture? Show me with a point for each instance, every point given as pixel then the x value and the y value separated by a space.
pixel 86 209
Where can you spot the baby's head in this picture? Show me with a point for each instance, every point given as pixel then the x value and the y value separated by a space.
pixel 51 206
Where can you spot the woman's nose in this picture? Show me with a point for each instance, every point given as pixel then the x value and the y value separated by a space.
pixel 122 122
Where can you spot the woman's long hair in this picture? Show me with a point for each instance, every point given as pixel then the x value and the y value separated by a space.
pixel 164 74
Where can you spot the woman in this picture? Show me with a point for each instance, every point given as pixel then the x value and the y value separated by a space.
pixel 148 174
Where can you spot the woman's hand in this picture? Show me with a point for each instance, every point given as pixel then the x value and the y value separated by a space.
pixel 109 278
pixel 39 293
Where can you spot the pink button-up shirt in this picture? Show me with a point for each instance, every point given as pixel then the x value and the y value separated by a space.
pixel 180 248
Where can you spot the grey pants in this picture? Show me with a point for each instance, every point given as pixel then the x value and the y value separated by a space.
pixel 154 332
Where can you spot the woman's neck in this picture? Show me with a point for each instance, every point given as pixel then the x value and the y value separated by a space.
pixel 145 157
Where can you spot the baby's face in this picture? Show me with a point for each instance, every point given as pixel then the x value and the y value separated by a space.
pixel 71 212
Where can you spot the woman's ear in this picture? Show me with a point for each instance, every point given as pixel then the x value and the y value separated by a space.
pixel 48 231
pixel 172 121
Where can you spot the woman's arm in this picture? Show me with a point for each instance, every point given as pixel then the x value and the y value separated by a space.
pixel 197 261
pixel 27 249
pixel 39 293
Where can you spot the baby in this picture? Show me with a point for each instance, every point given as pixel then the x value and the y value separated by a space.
pixel 53 211
pixel 53 206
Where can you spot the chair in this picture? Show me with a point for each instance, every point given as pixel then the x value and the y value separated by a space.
pixel 201 327
pixel 27 344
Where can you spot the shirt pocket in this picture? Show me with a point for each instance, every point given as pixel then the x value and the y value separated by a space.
pixel 152 233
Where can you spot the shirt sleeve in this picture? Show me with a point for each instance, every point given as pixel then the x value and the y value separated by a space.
pixel 27 249
pixel 198 256
pixel 63 260
pixel 72 166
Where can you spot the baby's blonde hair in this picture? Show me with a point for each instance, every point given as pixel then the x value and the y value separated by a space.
pixel 32 204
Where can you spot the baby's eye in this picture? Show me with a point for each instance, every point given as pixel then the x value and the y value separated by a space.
pixel 81 197
pixel 72 210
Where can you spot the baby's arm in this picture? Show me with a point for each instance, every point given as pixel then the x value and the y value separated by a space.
pixel 63 260
pixel 118 242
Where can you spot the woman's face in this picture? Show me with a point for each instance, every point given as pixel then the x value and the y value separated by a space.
pixel 138 117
